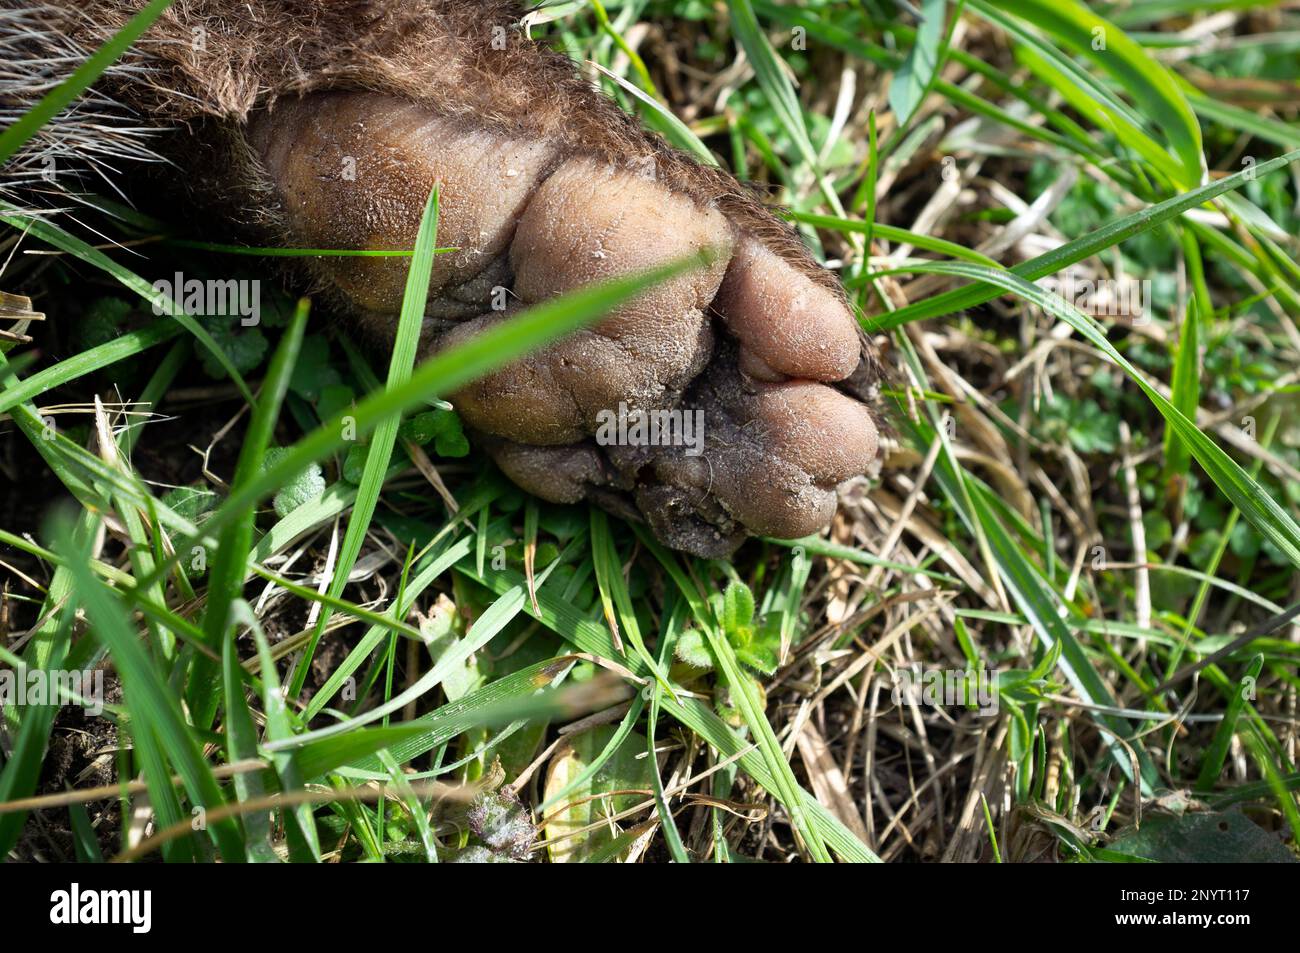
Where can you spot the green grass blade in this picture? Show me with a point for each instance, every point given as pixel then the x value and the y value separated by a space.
pixel 1157 92
pixel 614 596
pixel 911 82
pixel 84 842
pixel 1263 512
pixel 770 71
pixel 46 651
pixel 96 358
pixel 1217 753
pixel 611 748
pixel 380 451
pixel 751 708
pixel 155 706
pixel 511 696
pixel 1039 607
pixel 590 636
pixel 54 235
pixel 1150 84
pixel 485 628
pixel 226 577
pixel 771 76
pixel 1185 388
pixel 375 634
pixel 816 546
pixel 241 744
pixel 665 120
pixel 300 825
pixel 1077 250
pixel 674 623
pixel 892 234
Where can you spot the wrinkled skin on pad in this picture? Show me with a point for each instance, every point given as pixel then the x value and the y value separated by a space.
pixel 331 123
pixel 750 342
pixel 589 223
pixel 353 170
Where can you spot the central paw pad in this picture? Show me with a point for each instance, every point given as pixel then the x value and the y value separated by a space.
pixel 734 362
